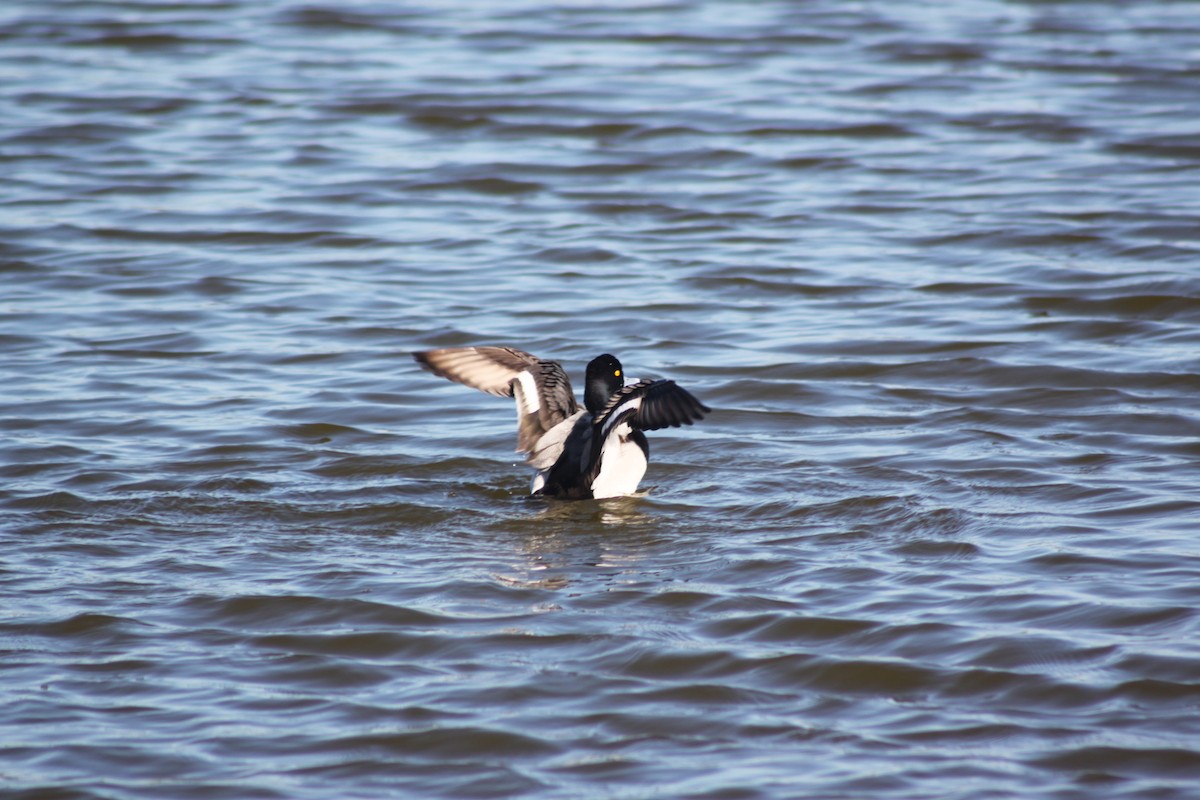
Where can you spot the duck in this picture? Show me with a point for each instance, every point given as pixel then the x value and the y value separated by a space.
pixel 595 452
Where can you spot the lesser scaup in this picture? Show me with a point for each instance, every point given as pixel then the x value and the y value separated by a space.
pixel 595 452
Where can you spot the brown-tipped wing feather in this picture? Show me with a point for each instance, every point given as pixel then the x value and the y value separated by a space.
pixel 541 388
pixel 488 369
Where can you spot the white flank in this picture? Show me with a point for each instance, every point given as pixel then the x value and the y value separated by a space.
pixel 622 467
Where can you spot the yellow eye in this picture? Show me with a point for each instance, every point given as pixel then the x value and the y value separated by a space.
pixel 617 373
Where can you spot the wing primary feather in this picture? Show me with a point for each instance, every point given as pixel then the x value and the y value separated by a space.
pixel 541 388
pixel 488 369
pixel 663 404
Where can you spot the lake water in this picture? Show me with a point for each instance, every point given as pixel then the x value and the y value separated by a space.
pixel 935 267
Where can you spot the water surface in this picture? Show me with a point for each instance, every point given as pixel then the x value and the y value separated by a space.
pixel 934 268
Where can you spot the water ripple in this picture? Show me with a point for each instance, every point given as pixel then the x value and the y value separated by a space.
pixel 935 539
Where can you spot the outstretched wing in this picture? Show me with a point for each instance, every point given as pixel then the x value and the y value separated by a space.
pixel 541 388
pixel 488 369
pixel 649 405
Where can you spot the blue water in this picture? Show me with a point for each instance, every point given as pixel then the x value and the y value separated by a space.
pixel 934 269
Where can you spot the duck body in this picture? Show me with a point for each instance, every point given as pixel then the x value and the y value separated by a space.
pixel 598 451
pixel 619 462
